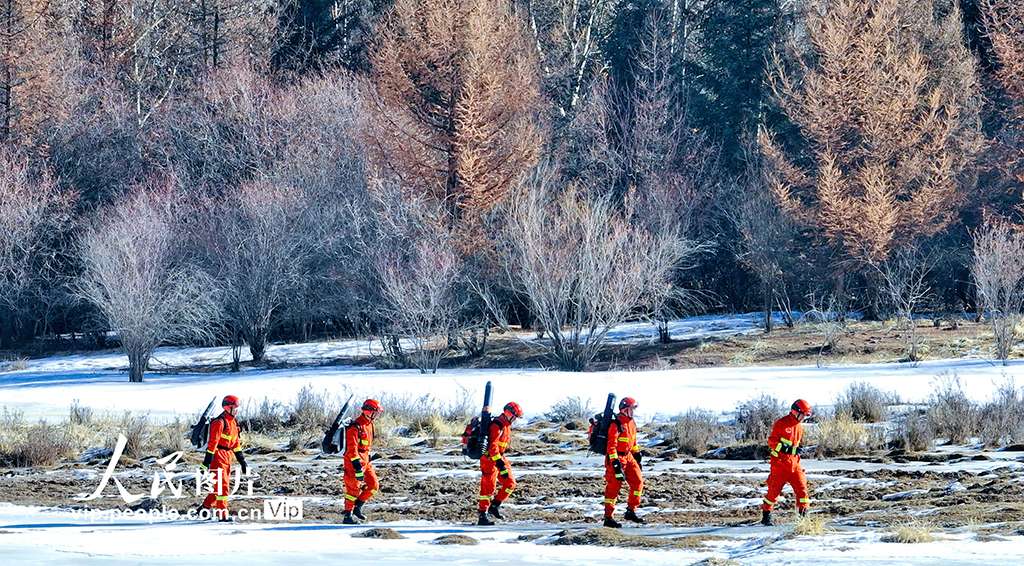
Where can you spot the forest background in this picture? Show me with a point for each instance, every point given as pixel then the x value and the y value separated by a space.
pixel 238 171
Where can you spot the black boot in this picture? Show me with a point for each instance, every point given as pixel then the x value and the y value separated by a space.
pixel 225 518
pixel 348 520
pixel 203 513
pixel 483 521
pixel 803 512
pixel 611 523
pixel 358 510
pixel 632 516
pixel 766 518
pixel 495 510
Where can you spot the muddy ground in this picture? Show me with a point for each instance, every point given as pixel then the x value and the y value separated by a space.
pixel 557 484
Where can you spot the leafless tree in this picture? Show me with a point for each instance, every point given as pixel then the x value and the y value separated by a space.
pixel 998 271
pixel 33 211
pixel 767 237
pixel 418 269
pixel 259 256
pixel 1004 27
pixel 885 97
pixel 903 284
pixel 136 277
pixel 583 266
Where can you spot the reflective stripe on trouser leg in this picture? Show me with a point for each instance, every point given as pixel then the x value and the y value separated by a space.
pixel 372 484
pixel 631 470
pixel 508 483
pixel 488 482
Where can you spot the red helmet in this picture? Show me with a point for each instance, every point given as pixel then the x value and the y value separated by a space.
pixel 371 406
pixel 512 409
pixel 229 401
pixel 801 407
pixel 628 403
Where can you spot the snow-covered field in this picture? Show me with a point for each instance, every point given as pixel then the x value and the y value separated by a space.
pixel 46 388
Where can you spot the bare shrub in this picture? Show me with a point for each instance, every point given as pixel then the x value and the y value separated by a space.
pixel 171 437
pixel 582 266
pixel 135 277
pixel 912 432
pixel 952 415
pixel 266 416
pixel 43 444
pixel 841 436
pixel 136 429
pixel 998 272
pixel 311 411
pixel 864 402
pixel 79 414
pixel 419 275
pixel 692 431
pixel 569 409
pixel 757 415
pixel 1001 420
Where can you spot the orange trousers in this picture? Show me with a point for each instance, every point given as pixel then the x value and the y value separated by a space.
pixel 631 471
pixel 362 489
pixel 786 469
pixel 489 482
pixel 218 498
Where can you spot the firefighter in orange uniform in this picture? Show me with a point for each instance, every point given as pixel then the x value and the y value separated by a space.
pixel 495 467
pixel 623 462
pixel 360 478
pixel 223 442
pixel 783 443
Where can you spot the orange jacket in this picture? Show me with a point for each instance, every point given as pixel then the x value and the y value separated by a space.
pixel 358 439
pixel 224 434
pixel 622 437
pixel 498 437
pixel 785 438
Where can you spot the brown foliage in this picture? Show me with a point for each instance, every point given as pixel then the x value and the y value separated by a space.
pixel 885 99
pixel 453 102
pixel 1004 25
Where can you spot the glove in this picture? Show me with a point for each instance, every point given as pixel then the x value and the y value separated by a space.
pixel 502 468
pixel 241 461
pixel 617 467
pixel 207 461
pixel 639 457
pixel 357 465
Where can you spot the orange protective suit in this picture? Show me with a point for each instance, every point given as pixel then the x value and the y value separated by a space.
pixel 497 442
pixel 358 439
pixel 621 447
pixel 224 441
pixel 785 463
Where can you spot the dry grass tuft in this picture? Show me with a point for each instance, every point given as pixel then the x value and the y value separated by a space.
pixel 841 436
pixel 911 533
pixel 811 525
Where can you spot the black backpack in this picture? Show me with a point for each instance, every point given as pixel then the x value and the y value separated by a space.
pixel 599 423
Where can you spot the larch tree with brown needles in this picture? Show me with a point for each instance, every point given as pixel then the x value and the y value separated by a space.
pixel 454 102
pixel 1004 26
pixel 884 97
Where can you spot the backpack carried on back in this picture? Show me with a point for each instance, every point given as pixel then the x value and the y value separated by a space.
pixel 474 438
pixel 200 434
pixel 597 436
pixel 334 438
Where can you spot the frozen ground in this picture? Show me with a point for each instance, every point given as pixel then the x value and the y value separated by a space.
pixel 45 389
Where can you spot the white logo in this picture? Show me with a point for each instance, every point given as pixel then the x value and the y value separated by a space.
pixel 282 509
